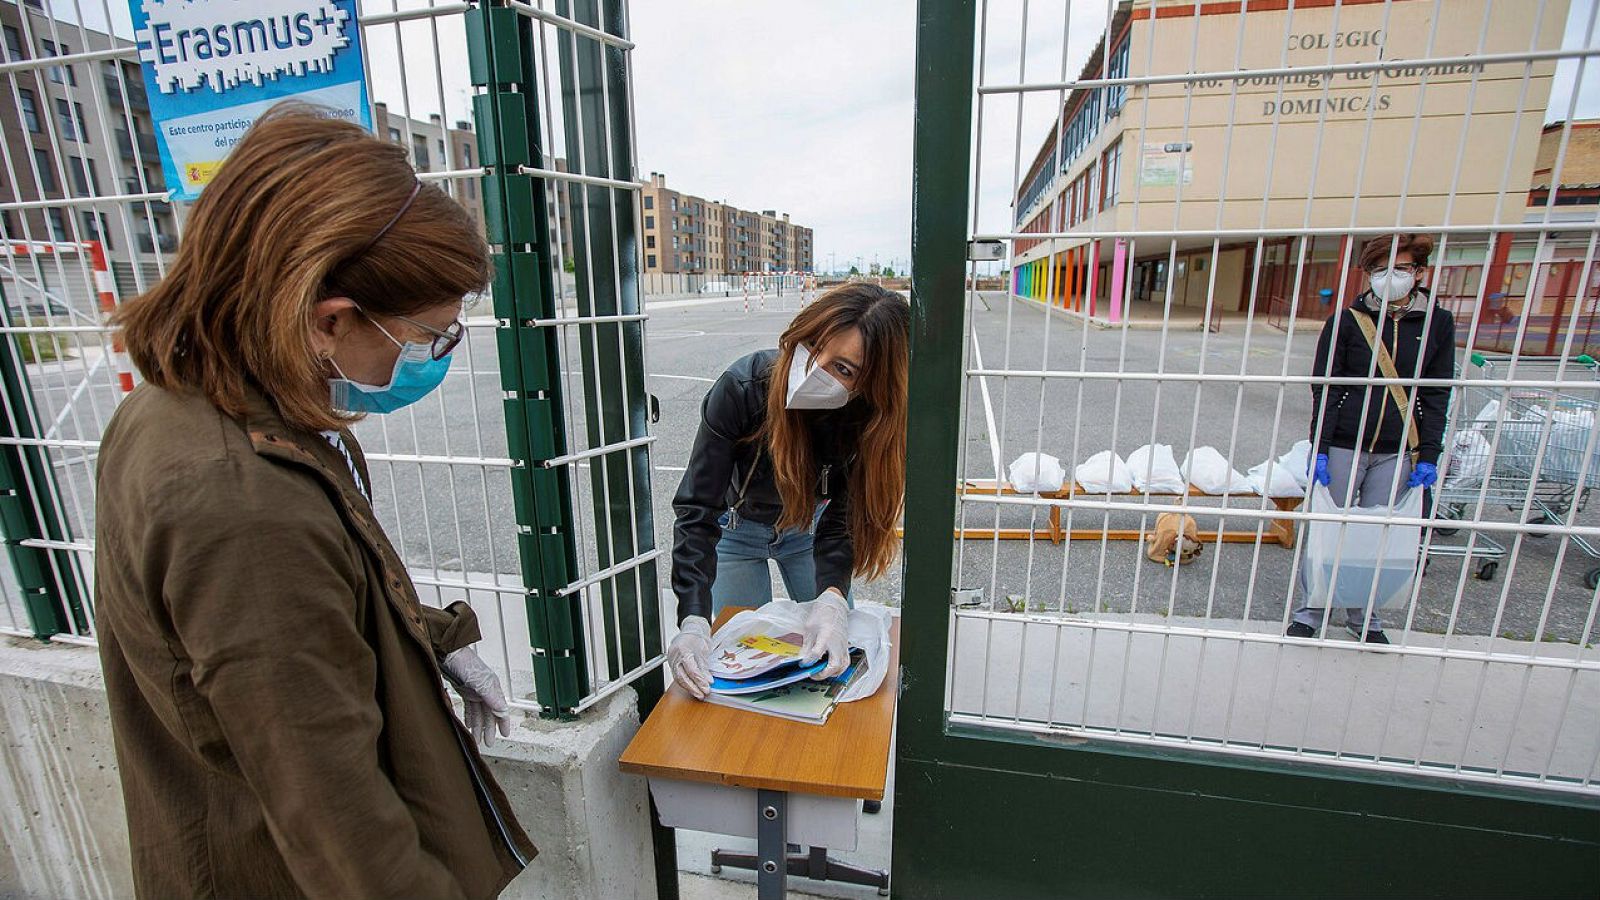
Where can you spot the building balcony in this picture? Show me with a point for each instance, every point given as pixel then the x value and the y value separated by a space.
pixel 147 146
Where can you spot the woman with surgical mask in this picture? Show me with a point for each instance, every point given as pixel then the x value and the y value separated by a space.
pixel 275 686
pixel 799 460
pixel 1367 450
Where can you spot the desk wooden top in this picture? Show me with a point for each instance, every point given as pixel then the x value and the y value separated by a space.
pixel 691 740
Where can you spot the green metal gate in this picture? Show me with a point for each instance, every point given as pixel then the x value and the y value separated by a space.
pixel 999 796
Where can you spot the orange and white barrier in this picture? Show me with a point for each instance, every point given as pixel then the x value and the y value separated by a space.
pixel 105 288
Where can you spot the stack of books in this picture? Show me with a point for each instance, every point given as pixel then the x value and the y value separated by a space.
pixel 762 673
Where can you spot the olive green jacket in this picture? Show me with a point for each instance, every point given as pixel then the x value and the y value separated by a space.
pixel 281 726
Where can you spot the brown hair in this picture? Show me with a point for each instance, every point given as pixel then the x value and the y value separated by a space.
pixel 287 222
pixel 1376 250
pixel 878 479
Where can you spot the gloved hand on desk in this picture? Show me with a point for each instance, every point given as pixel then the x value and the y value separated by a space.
pixel 827 634
pixel 689 656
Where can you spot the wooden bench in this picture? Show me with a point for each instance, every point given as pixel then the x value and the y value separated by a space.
pixel 1277 531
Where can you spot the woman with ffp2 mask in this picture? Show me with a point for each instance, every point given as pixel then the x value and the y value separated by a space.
pixel 1368 446
pixel 275 687
pixel 800 460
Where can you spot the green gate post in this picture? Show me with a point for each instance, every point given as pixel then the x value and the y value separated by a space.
pixel 984 812
pixel 594 90
pixel 47 577
pixel 500 56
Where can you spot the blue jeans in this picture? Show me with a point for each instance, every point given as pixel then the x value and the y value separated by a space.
pixel 743 577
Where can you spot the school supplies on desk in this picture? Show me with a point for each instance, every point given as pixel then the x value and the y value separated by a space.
pixel 802 700
pixel 754 654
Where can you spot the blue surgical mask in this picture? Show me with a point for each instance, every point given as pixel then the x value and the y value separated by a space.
pixel 416 374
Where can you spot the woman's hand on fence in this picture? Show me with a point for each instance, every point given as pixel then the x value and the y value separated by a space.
pixel 1319 470
pixel 826 631
pixel 689 655
pixel 1424 475
pixel 484 703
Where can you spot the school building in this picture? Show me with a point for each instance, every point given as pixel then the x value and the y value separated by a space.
pixel 1422 144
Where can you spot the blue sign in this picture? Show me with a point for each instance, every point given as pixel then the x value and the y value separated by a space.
pixel 211 67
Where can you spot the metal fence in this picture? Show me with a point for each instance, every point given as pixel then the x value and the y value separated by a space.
pixel 1249 147
pixel 522 485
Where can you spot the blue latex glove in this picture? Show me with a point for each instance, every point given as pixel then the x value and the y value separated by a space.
pixel 1319 472
pixel 1424 475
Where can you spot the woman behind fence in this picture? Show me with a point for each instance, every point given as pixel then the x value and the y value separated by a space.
pixel 1372 443
pixel 799 460
pixel 275 686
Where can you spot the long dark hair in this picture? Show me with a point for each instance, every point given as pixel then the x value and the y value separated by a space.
pixel 878 482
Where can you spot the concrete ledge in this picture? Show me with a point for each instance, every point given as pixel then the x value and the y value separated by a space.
pixel 63 832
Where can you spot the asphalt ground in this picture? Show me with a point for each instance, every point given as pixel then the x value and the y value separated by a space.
pixel 454 514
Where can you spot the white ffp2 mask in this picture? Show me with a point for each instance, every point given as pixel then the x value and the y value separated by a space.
pixel 1391 286
pixel 810 387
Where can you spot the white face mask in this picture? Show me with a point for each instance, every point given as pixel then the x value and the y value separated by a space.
pixel 812 388
pixel 1391 286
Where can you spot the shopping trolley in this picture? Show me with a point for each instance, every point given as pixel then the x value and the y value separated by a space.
pixel 1531 447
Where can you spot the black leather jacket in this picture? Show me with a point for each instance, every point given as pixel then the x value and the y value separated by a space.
pixel 720 463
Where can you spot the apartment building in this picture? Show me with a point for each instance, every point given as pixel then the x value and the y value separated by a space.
pixel 685 234
pixel 74 131
pixel 434 147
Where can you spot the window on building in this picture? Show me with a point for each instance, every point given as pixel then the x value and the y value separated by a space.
pixel 71 125
pixel 649 203
pixel 649 242
pixel 1112 166
pixel 8 225
pixel 14 45
pixel 674 223
pixel 650 261
pixel 419 151
pixel 85 180
pixel 466 154
pixel 674 204
pixel 394 135
pixel 58 225
pixel 97 229
pixel 47 172
pixel 60 74
pixel 674 242
pixel 30 111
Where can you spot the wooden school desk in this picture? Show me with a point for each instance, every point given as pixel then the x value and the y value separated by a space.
pixel 729 771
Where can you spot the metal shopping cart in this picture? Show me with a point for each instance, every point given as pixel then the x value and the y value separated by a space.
pixel 1523 447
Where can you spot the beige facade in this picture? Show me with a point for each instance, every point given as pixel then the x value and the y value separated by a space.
pixel 685 234
pixel 1442 144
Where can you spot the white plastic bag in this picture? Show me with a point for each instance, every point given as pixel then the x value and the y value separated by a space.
pixel 1155 470
pixel 1297 462
pixel 868 630
pixel 1350 563
pixel 1104 473
pixel 1469 459
pixel 1031 473
pixel 1275 478
pixel 1206 469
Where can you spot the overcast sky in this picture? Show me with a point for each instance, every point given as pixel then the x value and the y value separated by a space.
pixel 807 107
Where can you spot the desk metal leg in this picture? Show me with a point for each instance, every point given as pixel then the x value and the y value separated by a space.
pixel 772 861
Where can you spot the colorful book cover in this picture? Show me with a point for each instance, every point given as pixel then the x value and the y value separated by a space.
pixel 754 654
pixel 803 701
pixel 787 673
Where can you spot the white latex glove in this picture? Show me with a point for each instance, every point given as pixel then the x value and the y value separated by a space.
pixel 484 702
pixel 827 628
pixel 689 655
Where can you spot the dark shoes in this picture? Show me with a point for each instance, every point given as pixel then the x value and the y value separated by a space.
pixel 1374 636
pixel 1302 630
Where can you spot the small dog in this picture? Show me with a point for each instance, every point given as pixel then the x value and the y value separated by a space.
pixel 1176 541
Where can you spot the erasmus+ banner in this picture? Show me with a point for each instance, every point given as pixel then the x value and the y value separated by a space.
pixel 212 67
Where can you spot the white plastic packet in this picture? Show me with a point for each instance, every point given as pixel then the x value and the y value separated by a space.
pixel 1155 470
pixel 1297 462
pixel 1031 473
pixel 1469 459
pixel 1350 563
pixel 1275 478
pixel 1207 470
pixel 868 631
pixel 1104 473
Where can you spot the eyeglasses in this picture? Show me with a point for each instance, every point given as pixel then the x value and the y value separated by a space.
pixel 443 341
pixel 1402 268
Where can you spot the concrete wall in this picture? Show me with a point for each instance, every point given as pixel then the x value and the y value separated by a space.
pixel 63 832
